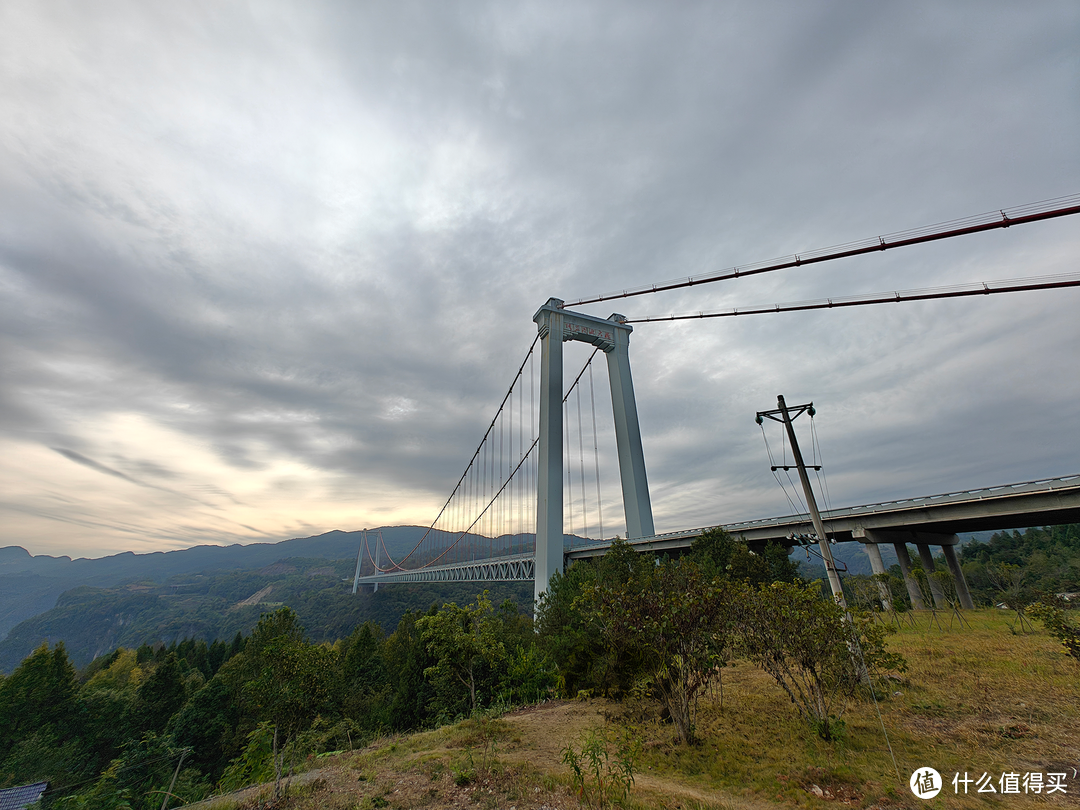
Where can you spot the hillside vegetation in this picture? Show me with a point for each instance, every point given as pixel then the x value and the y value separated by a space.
pixel 726 671
pixel 30 584
pixel 976 699
pixel 93 621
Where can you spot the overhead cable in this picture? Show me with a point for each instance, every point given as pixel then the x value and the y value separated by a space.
pixel 897 296
pixel 1003 218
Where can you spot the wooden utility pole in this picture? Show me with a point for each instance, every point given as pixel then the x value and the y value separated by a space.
pixel 172 784
pixel 823 542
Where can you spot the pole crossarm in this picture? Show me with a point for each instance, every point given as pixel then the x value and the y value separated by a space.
pixel 515 568
pixel 794 411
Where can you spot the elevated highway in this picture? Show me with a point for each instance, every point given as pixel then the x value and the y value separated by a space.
pixel 1046 502
pixel 934 520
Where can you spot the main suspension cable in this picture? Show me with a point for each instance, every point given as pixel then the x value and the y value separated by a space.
pixel 396 565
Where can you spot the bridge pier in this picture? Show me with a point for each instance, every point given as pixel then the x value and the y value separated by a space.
pixel 927 560
pixel 878 567
pixel 962 592
pixel 870 538
pixel 913 589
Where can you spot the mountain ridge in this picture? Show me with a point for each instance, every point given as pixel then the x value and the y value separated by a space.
pixel 30 584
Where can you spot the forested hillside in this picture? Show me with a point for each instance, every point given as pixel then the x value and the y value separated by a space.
pixel 1039 562
pixel 30 584
pixel 93 621
pixel 241 710
pixel 1001 567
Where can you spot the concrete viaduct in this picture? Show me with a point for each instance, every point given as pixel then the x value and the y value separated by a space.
pixel 933 520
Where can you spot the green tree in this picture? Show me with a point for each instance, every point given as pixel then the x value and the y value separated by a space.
pixel 39 699
pixel 1057 624
pixel 569 632
pixel 108 707
pixel 210 725
pixel 362 687
pixel 1012 587
pixel 161 695
pixel 677 625
pixel 781 567
pixel 407 657
pixel 719 554
pixel 713 551
pixel 283 679
pixel 139 778
pixel 255 764
pixel 530 675
pixel 40 691
pixel 462 641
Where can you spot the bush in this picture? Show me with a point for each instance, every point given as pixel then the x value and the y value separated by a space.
pixel 811 649
pixel 1057 624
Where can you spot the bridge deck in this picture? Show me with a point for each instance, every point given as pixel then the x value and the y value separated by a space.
pixel 1048 501
pixel 511 568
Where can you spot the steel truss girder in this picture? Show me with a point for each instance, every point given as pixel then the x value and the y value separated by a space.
pixel 518 568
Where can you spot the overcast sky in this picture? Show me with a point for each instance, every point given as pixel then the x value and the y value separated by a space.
pixel 266 269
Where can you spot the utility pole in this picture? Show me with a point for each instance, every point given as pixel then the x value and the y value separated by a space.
pixel 786 418
pixel 172 784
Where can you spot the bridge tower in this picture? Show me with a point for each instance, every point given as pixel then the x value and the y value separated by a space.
pixel 612 336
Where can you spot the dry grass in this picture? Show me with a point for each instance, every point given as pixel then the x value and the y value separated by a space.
pixel 975 699
pixel 458 766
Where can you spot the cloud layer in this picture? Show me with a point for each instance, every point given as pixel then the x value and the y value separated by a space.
pixel 266 270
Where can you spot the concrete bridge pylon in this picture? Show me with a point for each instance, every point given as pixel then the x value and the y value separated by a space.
pixel 612 336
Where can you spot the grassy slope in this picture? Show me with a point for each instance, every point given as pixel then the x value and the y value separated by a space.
pixel 974 699
pixel 977 699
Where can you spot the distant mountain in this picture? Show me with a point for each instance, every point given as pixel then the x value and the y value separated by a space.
pixel 30 585
pixel 93 621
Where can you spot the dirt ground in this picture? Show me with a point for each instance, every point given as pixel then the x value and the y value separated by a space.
pixel 523 770
pixel 547 730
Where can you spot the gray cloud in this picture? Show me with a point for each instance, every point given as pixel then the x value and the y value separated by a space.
pixel 79 458
pixel 285 257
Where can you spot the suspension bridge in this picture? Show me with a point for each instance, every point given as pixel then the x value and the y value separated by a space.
pixel 537 493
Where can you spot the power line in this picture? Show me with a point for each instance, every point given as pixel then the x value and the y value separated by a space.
pixel 1004 218
pixel 925 294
